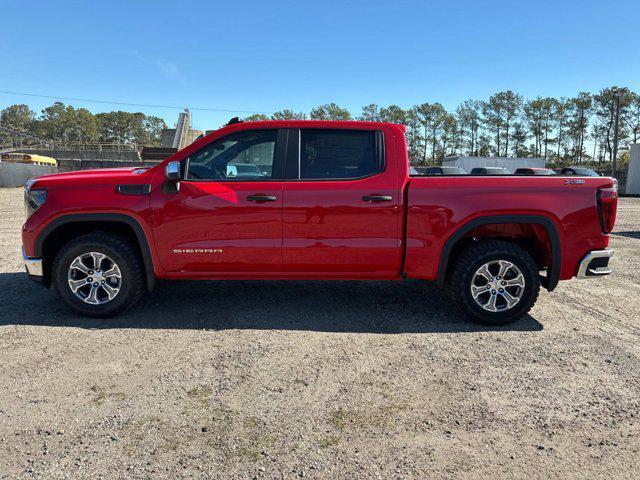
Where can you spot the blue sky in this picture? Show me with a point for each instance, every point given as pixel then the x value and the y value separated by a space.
pixel 269 55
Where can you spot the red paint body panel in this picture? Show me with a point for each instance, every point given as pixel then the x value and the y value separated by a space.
pixel 322 229
pixel 439 206
pixel 90 191
pixel 329 229
pixel 244 236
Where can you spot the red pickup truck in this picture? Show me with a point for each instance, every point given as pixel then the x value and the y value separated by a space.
pixel 313 200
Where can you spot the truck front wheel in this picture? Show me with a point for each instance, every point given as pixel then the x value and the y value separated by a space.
pixel 494 282
pixel 98 274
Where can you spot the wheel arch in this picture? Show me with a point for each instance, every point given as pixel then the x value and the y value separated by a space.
pixel 553 274
pixel 62 229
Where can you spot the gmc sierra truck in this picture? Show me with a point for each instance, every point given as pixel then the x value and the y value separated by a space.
pixel 330 200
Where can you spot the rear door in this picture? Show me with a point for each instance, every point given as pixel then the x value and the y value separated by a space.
pixel 341 207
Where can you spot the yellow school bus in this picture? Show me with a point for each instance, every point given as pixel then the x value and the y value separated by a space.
pixel 15 157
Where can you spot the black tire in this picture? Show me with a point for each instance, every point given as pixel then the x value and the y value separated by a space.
pixel 459 282
pixel 132 285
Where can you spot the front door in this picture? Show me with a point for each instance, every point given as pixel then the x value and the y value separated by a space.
pixel 226 218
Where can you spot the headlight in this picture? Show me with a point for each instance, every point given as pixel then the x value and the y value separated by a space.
pixel 33 199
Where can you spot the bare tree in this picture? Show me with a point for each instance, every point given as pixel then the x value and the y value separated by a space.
pixel 449 135
pixel 431 116
pixel 287 114
pixel 330 111
pixel 612 107
pixel 519 137
pixel 560 120
pixel 370 113
pixel 501 111
pixel 580 109
pixel 470 119
pixel 634 116
pixel 534 115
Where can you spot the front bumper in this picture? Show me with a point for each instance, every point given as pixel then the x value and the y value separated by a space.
pixel 33 266
pixel 595 264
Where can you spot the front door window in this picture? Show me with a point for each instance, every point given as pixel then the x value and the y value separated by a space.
pixel 244 156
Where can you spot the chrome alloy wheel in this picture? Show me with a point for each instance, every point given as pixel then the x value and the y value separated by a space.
pixel 497 286
pixel 94 278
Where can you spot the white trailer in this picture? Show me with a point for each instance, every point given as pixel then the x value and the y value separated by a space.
pixel 633 174
pixel 467 163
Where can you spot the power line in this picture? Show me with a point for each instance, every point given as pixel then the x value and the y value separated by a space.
pixel 106 102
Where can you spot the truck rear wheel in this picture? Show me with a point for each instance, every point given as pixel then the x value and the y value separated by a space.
pixel 494 282
pixel 98 275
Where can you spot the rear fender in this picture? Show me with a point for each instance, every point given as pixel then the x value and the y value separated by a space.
pixel 553 273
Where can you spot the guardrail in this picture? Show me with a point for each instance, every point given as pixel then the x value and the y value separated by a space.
pixel 73 164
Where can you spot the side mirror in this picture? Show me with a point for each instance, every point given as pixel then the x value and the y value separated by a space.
pixel 172 171
pixel 172 176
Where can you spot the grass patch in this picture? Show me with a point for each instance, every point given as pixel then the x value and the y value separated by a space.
pixel 328 442
pixel 377 417
pixel 253 439
pixel 102 396
pixel 341 418
pixel 201 395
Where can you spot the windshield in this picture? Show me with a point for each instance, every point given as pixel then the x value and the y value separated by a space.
pixel 445 171
pixel 490 171
pixel 453 171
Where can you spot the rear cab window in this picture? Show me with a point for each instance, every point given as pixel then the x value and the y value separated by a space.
pixel 340 154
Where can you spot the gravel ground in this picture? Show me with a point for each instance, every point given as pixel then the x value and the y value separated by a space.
pixel 321 380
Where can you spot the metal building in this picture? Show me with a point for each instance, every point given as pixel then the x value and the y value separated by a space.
pixel 182 135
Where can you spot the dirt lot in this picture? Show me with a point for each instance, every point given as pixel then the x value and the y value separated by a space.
pixel 321 380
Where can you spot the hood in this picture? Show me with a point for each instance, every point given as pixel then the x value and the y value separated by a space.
pixel 98 176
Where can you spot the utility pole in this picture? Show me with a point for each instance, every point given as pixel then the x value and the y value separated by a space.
pixel 615 134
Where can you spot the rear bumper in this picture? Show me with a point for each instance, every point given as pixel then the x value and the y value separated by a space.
pixel 595 264
pixel 33 266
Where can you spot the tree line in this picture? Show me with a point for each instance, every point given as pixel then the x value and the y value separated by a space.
pixel 590 128
pixel 64 123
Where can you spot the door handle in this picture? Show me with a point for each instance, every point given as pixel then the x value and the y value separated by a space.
pixel 377 198
pixel 262 198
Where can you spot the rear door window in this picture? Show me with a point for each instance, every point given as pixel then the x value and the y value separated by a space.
pixel 339 154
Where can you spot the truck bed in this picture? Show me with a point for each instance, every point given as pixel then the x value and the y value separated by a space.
pixel 441 206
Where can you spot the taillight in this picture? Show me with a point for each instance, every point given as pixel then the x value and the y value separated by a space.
pixel 607 206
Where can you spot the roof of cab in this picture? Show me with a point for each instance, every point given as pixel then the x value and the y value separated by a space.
pixel 317 123
pixel 238 126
